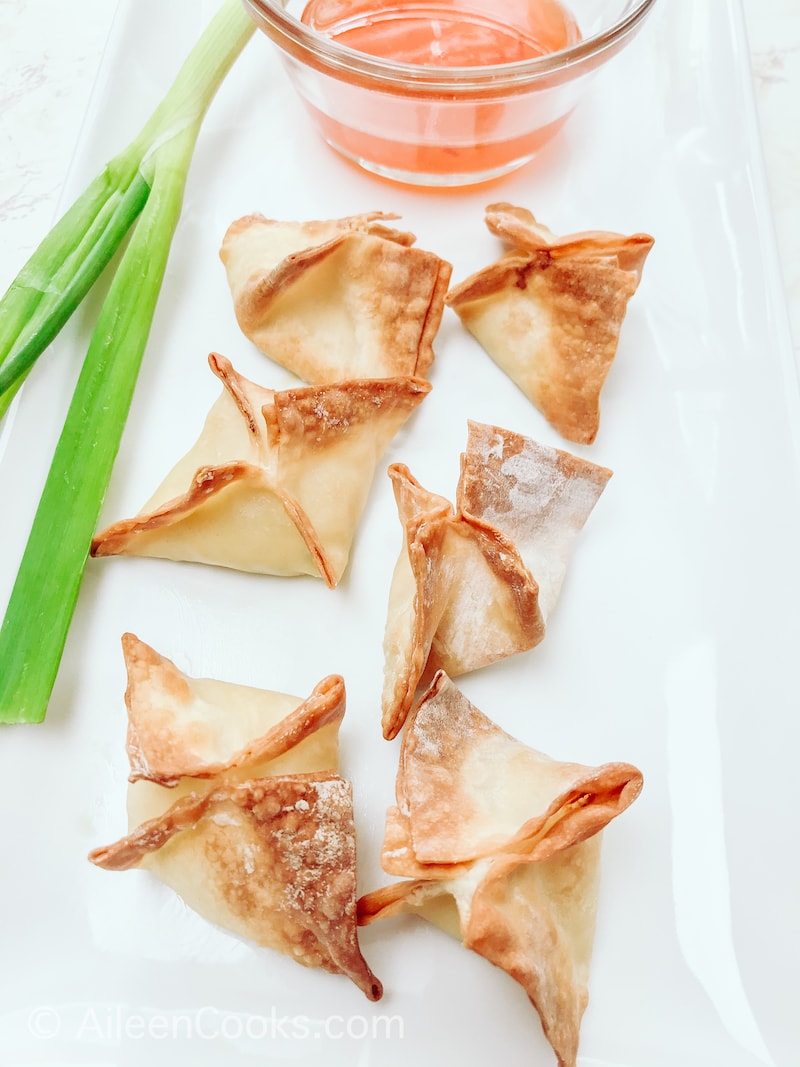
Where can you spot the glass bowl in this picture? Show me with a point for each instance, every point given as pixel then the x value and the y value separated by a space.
pixel 443 125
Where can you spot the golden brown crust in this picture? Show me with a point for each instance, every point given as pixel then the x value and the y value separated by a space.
pixel 519 228
pixel 388 900
pixel 235 803
pixel 320 231
pixel 338 299
pixel 447 738
pixel 477 584
pixel 536 922
pixel 317 415
pixel 539 497
pixel 176 731
pixel 499 465
pixel 512 837
pixel 281 858
pixel 451 557
pixel 296 445
pixel 550 311
pixel 117 539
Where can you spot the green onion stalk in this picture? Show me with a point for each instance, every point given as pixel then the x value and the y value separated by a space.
pixel 145 185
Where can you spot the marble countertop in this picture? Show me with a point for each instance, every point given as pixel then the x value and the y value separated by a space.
pixel 51 57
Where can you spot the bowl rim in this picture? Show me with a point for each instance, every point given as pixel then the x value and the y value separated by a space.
pixel 307 44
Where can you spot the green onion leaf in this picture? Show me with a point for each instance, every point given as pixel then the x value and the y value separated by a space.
pixel 71 284
pixel 43 599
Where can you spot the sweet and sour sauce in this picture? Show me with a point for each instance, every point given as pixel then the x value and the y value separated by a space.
pixel 443 34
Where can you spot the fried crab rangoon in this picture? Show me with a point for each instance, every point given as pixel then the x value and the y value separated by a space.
pixel 550 310
pixel 477 583
pixel 277 481
pixel 235 803
pixel 500 845
pixel 345 298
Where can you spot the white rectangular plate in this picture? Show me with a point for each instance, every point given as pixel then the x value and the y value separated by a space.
pixel 673 646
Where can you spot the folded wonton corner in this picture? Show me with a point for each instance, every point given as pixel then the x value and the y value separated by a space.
pixel 202 728
pixel 235 803
pixel 477 583
pixel 550 310
pixel 346 298
pixel 501 847
pixel 277 481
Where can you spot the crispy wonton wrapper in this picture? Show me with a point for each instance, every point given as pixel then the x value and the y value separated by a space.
pixel 501 847
pixel 235 804
pixel 478 583
pixel 202 728
pixel 549 313
pixel 346 298
pixel 277 481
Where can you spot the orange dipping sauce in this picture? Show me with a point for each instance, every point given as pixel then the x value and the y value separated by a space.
pixel 406 134
pixel 446 33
